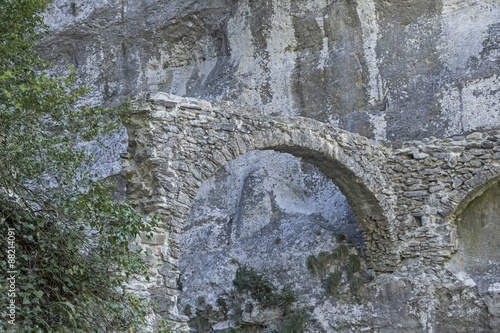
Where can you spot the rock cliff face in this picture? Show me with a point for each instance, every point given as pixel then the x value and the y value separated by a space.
pixel 389 70
pixel 386 69
pixel 272 212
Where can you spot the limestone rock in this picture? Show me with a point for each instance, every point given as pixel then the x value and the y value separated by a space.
pixel 392 70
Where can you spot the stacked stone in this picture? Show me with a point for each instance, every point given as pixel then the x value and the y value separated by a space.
pixel 404 200
pixel 176 144
pixel 434 179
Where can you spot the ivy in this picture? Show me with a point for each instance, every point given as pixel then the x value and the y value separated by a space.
pixel 69 238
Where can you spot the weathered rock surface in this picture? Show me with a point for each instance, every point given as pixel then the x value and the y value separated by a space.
pixel 265 210
pixel 254 213
pixel 405 201
pixel 393 70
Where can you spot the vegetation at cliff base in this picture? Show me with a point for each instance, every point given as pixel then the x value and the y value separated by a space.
pixel 64 242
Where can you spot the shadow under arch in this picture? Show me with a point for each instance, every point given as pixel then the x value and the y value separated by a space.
pixel 363 202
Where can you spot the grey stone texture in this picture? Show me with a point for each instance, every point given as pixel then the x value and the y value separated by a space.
pixel 266 210
pixel 405 206
pixel 301 77
pixel 390 70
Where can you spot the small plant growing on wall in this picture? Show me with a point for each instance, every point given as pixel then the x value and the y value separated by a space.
pixel 262 290
pixel 187 310
pixel 353 266
pixel 355 284
pixel 267 295
pixel 340 238
pixel 321 264
pixel 333 282
pixel 340 251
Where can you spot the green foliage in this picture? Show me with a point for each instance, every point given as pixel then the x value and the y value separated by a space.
pixel 340 238
pixel 187 310
pixel 320 264
pixel 355 284
pixel 221 302
pixel 237 312
pixel 167 327
pixel 201 300
pixel 234 330
pixel 333 282
pixel 71 238
pixel 247 280
pixel 262 290
pixel 324 260
pixel 202 322
pixel 353 265
pixel 340 251
pixel 312 264
pixel 294 322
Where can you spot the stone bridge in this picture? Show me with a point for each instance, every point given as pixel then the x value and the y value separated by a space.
pixel 404 199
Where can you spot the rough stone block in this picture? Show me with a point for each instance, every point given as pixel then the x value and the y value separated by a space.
pixel 436 188
pixel 224 127
pixel 477 152
pixel 412 194
pixel 474 136
pixel 167 104
pixel 487 144
pixel 157 239
pixel 164 303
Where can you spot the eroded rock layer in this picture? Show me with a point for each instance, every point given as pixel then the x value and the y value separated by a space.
pixel 393 70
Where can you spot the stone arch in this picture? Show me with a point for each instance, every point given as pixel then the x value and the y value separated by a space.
pixel 478 182
pixel 473 188
pixel 177 144
pixel 338 154
pixel 476 219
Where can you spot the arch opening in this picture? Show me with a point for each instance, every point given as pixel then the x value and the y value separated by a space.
pixel 266 210
pixel 363 202
pixel 477 221
pixel 477 192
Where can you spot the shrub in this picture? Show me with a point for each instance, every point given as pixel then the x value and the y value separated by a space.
pixel 294 322
pixel 312 264
pixel 355 284
pixel 262 290
pixel 333 282
pixel 187 310
pixel 70 238
pixel 340 251
pixel 353 266
pixel 319 264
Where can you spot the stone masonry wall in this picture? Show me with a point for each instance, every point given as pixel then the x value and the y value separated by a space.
pixel 404 199
pixel 434 180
